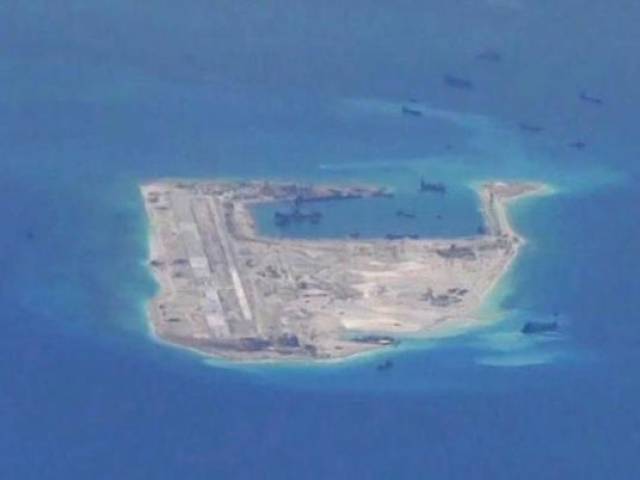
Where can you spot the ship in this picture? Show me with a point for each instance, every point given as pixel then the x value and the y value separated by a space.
pixel 404 214
pixel 527 127
pixel 432 187
pixel 490 56
pixel 539 327
pixel 386 365
pixel 457 82
pixel 413 112
pixel 283 219
pixel 590 99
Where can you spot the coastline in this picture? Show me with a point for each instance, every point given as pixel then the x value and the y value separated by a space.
pixel 539 189
pixel 496 215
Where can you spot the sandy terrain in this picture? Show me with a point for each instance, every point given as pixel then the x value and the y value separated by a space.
pixel 228 292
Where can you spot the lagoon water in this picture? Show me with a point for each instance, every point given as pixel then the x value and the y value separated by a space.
pixel 95 98
pixel 434 215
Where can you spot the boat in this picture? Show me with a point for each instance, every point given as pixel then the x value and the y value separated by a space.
pixel 386 365
pixel 282 219
pixel 457 82
pixel 433 187
pixel 411 111
pixel 490 56
pixel 579 145
pixel 590 99
pixel 404 214
pixel 539 327
pixel 527 127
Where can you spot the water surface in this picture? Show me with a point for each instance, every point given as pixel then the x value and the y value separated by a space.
pixel 97 97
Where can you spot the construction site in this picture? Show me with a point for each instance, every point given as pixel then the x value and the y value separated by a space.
pixel 227 291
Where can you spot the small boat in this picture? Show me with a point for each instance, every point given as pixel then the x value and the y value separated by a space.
pixel 492 56
pixel 404 214
pixel 386 365
pixel 590 99
pixel 411 111
pixel 433 187
pixel 579 145
pixel 539 327
pixel 282 219
pixel 457 82
pixel 527 127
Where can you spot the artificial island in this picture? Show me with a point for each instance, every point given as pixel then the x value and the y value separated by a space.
pixel 227 291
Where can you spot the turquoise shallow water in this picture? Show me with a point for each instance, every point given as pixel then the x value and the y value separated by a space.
pixel 98 97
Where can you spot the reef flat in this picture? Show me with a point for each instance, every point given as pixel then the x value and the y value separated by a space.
pixel 229 292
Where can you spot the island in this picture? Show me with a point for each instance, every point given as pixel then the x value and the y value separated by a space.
pixel 228 291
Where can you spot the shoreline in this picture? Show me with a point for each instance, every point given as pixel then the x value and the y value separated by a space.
pixel 495 198
pixel 539 189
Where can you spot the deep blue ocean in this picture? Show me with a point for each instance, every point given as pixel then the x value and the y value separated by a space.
pixel 98 96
